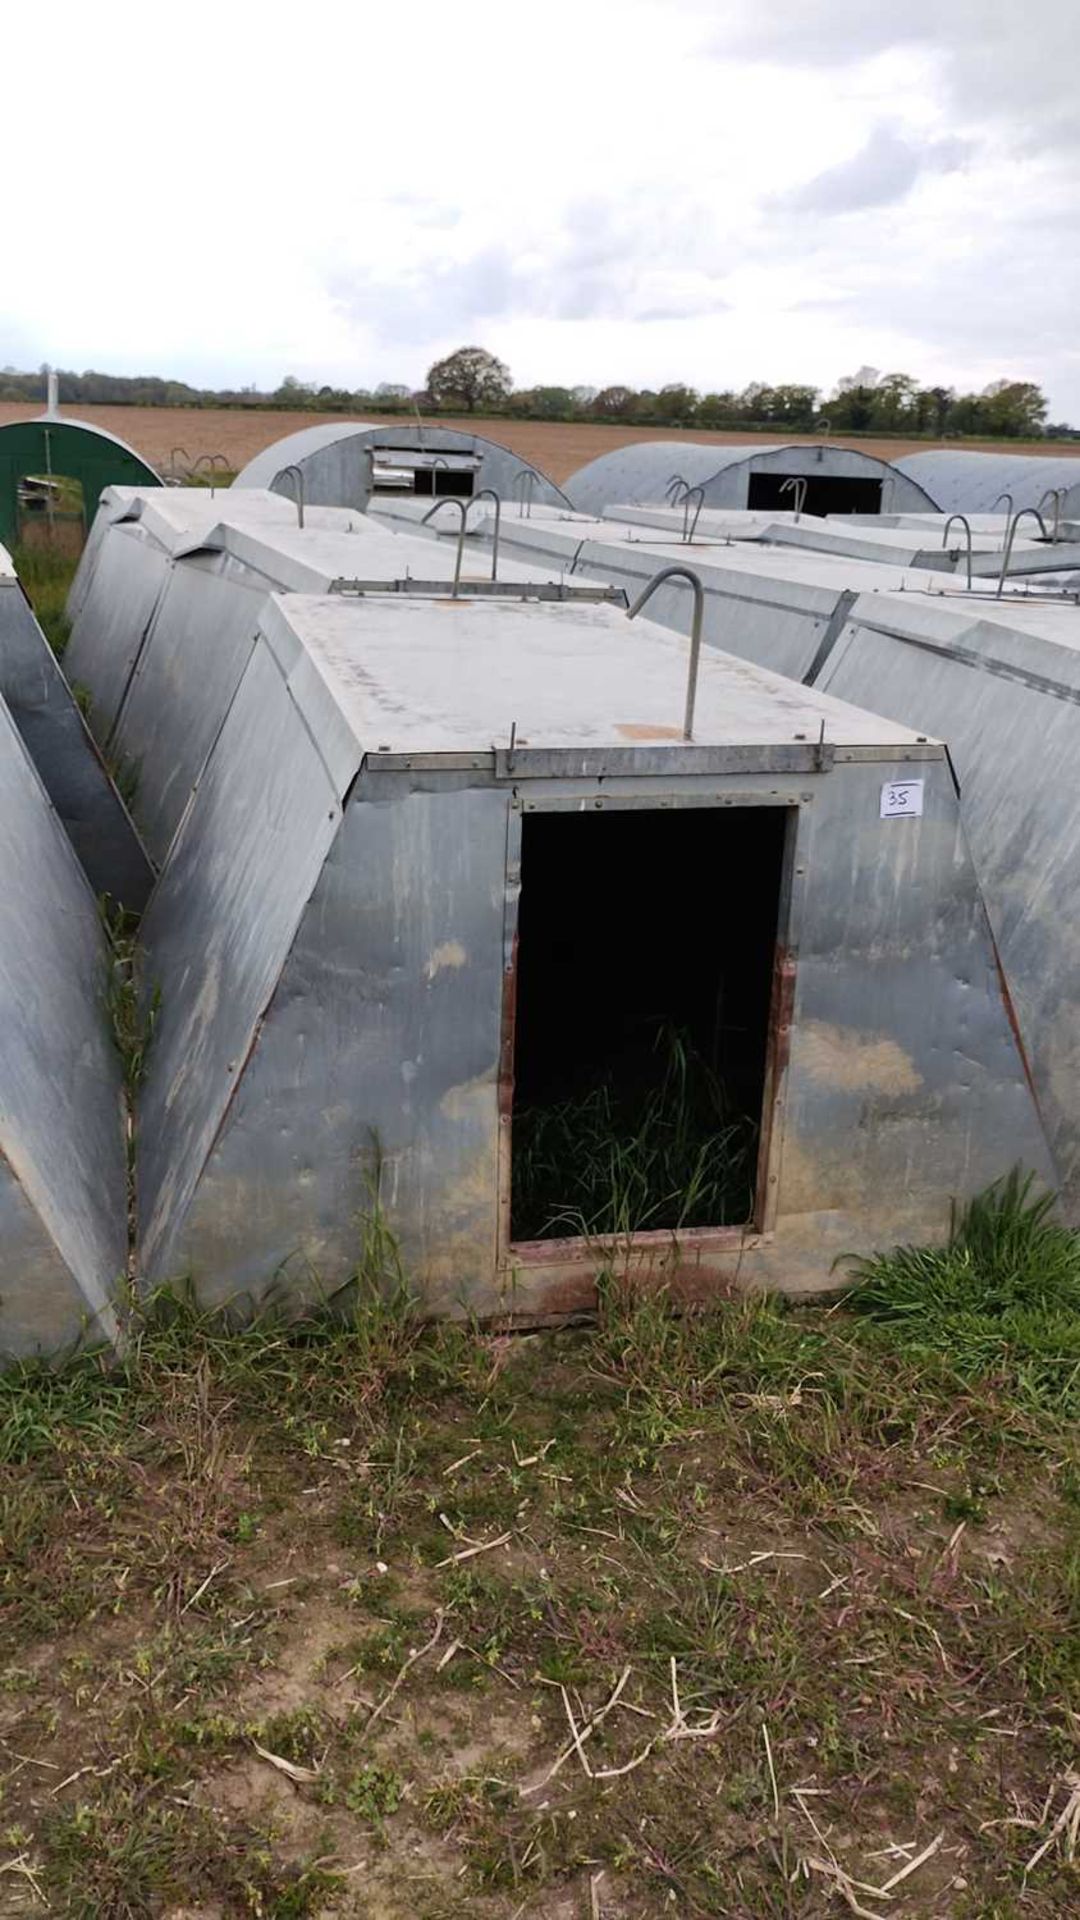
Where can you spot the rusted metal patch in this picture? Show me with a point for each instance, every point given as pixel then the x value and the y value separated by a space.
pixel 781 1016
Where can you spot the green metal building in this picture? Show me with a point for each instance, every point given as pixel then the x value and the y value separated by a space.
pixel 37 456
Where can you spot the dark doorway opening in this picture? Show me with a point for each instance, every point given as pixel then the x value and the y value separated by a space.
pixel 646 941
pixel 51 513
pixel 825 493
pixel 455 482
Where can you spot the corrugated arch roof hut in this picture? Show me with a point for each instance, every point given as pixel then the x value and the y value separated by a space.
pixel 960 480
pixel 837 479
pixel 341 464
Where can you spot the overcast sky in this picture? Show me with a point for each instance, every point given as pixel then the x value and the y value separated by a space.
pixel 599 190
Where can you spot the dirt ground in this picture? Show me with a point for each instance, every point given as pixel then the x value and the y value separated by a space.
pixel 742 1617
pixel 556 448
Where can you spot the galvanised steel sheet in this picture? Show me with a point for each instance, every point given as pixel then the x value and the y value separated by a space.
pixel 336 460
pixel 127 582
pixel 959 481
pixel 334 937
pixel 1002 684
pixel 216 935
pixel 182 664
pixel 63 1175
pixel 185 675
pixel 56 737
pixel 773 607
pixel 642 471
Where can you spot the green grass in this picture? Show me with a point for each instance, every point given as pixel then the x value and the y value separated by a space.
pixel 846 1527
pixel 1001 1300
pixel 616 1161
pixel 45 574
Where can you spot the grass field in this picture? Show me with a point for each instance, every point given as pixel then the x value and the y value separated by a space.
pixel 556 448
pixel 770 1612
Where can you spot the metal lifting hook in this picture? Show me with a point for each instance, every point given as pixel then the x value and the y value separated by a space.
pixel 966 524
pixel 489 493
pixel 451 501
pixel 299 485
pixel 694 579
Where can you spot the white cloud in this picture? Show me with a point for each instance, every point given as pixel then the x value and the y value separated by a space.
pixel 612 190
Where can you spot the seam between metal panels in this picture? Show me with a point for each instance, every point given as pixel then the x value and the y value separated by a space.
pixel 137 656
pixel 739 599
pixel 985 662
pixel 198 780
pixel 834 626
pixel 331 777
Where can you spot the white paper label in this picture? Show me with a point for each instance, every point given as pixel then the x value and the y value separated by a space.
pixel 901 800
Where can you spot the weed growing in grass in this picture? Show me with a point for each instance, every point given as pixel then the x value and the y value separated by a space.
pixel 46 573
pixel 132 1015
pixel 1001 1300
pixel 609 1163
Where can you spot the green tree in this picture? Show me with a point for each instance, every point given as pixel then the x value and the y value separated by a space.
pixel 1013 408
pixel 616 403
pixel 677 406
pixel 471 378
pixel 895 403
pixel 717 410
pixel 793 405
pixel 545 403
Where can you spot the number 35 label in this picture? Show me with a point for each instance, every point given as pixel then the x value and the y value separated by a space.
pixel 902 800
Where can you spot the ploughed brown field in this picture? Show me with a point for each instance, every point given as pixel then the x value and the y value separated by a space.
pixel 558 448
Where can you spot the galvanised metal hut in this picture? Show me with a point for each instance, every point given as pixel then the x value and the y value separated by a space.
pixel 42 706
pixel 457 870
pixel 344 463
pixel 837 479
pixel 63 1161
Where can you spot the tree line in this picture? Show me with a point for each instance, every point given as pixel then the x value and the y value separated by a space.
pixel 473 381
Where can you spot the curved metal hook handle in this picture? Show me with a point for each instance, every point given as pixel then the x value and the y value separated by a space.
pixel 1008 511
pixel 1057 495
pixel 689 531
pixel 798 486
pixel 452 500
pixel 299 479
pixel 525 479
pixel 671 491
pixel 966 524
pixel 1006 551
pixel 647 591
pixel 489 493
